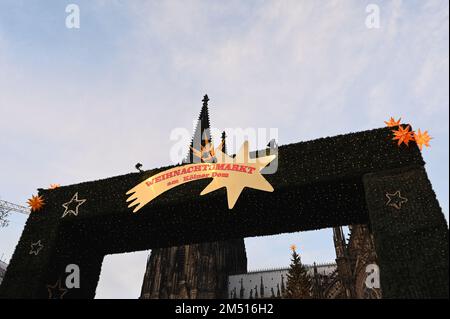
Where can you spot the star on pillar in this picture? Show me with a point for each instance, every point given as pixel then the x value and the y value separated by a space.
pixel 36 247
pixel 78 203
pixel 56 291
pixel 396 200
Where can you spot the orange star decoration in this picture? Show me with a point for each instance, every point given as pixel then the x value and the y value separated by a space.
pixel 293 247
pixel 392 122
pixel 54 186
pixel 422 139
pixel 403 135
pixel 35 203
pixel 207 153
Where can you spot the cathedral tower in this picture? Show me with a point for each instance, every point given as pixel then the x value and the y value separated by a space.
pixel 196 270
pixel 344 264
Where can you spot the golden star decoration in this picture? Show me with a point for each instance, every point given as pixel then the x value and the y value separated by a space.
pixel 36 203
pixel 237 181
pixel 232 173
pixel 293 247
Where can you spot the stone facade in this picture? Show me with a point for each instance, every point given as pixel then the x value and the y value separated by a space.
pixel 193 271
pixel 271 283
pixel 218 270
pixel 344 279
pixel 352 259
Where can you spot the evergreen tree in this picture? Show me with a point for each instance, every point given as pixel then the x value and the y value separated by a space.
pixel 298 280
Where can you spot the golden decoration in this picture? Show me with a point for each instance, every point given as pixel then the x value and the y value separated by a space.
pixel 36 203
pixel 293 247
pixel 232 173
pixel 54 186
pixel 237 181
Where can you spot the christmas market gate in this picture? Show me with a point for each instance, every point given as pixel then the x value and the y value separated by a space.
pixel 356 178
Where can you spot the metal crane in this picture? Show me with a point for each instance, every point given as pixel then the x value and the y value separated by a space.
pixel 6 208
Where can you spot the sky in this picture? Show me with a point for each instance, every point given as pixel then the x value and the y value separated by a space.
pixel 89 103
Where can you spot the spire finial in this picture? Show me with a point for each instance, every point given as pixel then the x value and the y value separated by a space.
pixel 223 143
pixel 201 131
pixel 205 100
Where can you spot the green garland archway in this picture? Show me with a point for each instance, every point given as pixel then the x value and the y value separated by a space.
pixel 322 183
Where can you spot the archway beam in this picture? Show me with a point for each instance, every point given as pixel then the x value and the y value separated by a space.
pixel 318 184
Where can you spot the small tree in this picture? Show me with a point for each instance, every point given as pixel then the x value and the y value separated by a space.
pixel 298 280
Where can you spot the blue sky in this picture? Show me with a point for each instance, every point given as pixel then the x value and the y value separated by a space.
pixel 88 103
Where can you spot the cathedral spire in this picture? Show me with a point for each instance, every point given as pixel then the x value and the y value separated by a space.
pixel 261 287
pixel 223 142
pixel 180 271
pixel 202 134
pixel 241 291
pixel 339 241
pixel 317 285
pixel 205 100
pixel 344 266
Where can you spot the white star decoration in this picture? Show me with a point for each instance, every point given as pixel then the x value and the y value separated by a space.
pixel 78 202
pixel 56 291
pixel 36 248
pixel 396 200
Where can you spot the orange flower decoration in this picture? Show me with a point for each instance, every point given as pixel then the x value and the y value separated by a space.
pixel 54 186
pixel 35 203
pixel 403 135
pixel 392 122
pixel 293 247
pixel 422 139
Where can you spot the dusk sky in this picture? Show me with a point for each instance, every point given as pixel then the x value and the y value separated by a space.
pixel 89 103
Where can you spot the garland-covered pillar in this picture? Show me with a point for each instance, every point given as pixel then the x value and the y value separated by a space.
pixel 410 232
pixel 28 268
pixel 49 244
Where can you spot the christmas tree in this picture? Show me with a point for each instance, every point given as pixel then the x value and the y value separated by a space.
pixel 298 281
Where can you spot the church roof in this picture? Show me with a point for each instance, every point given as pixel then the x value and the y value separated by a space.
pixel 322 265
